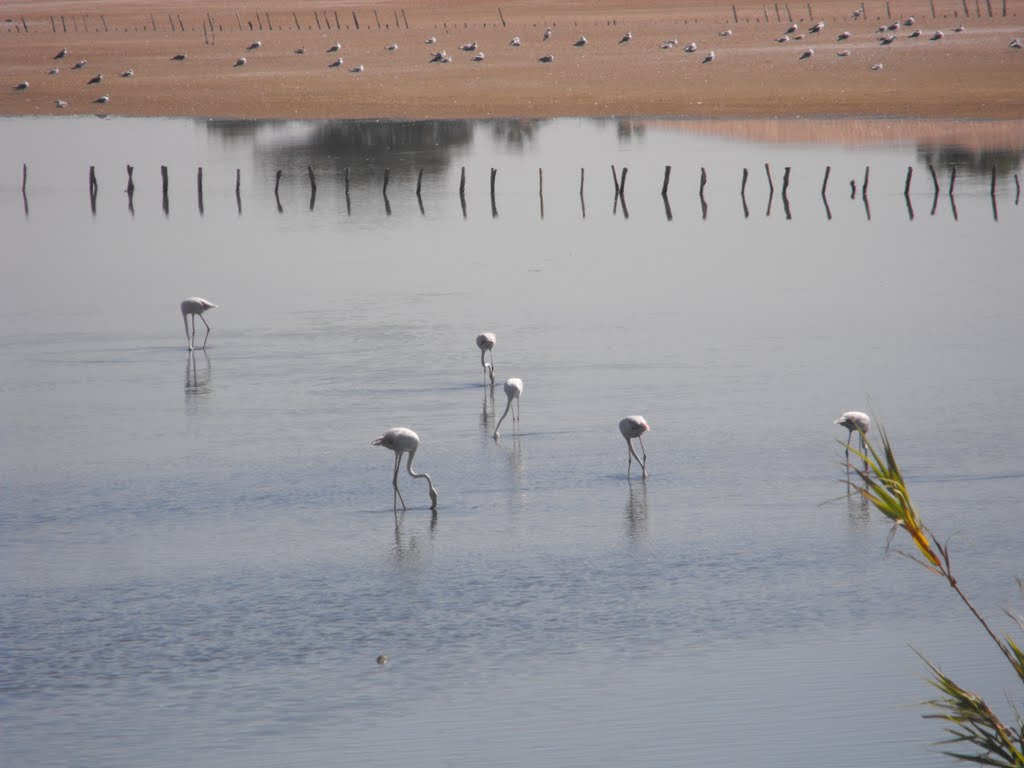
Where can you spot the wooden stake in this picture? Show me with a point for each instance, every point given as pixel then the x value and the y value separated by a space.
pixel 664 184
pixel 906 185
pixel 312 178
pixel 462 183
pixel 768 171
pixel 864 186
pixel 824 184
pixel 387 175
pixel 935 179
pixel 952 180
pixel 419 182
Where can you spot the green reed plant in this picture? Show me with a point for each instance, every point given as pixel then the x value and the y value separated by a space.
pixel 970 722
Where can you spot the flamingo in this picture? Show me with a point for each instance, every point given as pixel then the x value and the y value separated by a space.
pixel 195 307
pixel 630 427
pixel 402 440
pixel 513 389
pixel 485 342
pixel 854 420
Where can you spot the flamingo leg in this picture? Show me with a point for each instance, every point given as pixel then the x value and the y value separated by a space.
pixel 643 464
pixel 394 481
pixel 632 455
pixel 207 328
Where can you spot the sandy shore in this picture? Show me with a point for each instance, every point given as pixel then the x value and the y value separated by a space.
pixel 968 74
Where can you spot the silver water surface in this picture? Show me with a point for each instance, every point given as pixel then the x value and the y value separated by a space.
pixel 199 556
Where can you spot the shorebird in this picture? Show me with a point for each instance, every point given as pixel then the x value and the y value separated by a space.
pixel 357 69
pixel 513 389
pixel 626 38
pixel 446 59
pixel 195 307
pixel 53 71
pixel 515 42
pixel 102 99
pixel 937 36
pixel 60 103
pixel 402 440
pixel 854 421
pixel 438 56
pixel 80 64
pixel 95 79
pixel 1015 43
pixel 429 41
pixel 857 13
pixel 690 47
pixel 909 21
pixel 633 427
pixel 887 40
pixel 581 42
pixel 670 44
pixel 792 28
pixel 253 45
pixel 546 59
pixel 479 56
pixel 959 29
pixel 806 54
pixel 709 58
pixel 178 57
pixel 547 33
pixel 894 26
pixel 336 63
pixel 725 33
pixel 915 33
pixel 392 46
pixel 843 36
pixel 22 86
pixel 334 48
pixel 783 39
pixel 818 26
pixel 240 61
pixel 877 66
pixel 469 47
pixel 128 73
pixel 881 29
pixel 61 54
pixel 842 53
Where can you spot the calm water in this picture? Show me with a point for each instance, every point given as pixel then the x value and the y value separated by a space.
pixel 199 558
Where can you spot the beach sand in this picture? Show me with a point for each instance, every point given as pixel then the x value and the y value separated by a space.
pixel 970 74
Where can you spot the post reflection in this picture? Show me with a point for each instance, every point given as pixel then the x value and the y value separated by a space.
pixel 487 412
pixel 636 511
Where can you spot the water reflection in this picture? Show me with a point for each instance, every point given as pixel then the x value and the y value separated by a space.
pixel 515 133
pixel 407 550
pixel 979 163
pixel 196 383
pixel 636 510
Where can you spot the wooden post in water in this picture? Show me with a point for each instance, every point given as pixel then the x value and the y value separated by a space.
pixel 277 182
pixel 312 178
pixel 743 184
pixel 494 202
pixel 785 181
pixel 387 176
pixel 768 172
pixel 952 181
pixel 163 187
pixel 615 181
pixel 824 183
pixel 540 189
pixel 906 184
pixel 935 179
pixel 24 176
pixel 622 184
pixel 993 188
pixel 583 203
pixel 199 189
pixel 703 180
pixel 664 183
pixel 864 186
pixel 462 182
pixel 93 186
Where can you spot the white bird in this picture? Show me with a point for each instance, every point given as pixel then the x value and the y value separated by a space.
pixel 128 73
pixel 357 69
pixel 959 29
pixel 195 307
pixel 469 47
pixel 515 42
pixel 61 54
pixel 877 66
pixel 547 33
pixel 240 61
pixel 857 13
pixel 1015 43
pixel 438 56
pixel 634 427
pixel 336 63
pixel 253 45
pixel 894 26
pixel 101 100
pixel 806 54
pixel 818 26
pixel 546 59
pixel 626 38
pixel 581 42
pixel 479 56
pixel 726 33
pixel 783 39
pixel 854 420
pixel 446 59
pixel 842 54
pixel 95 79
pixel 843 36
pixel 334 48
pixel 909 22
pixel 392 46
pixel 792 28
pixel 402 440
pixel 22 86
pixel 937 36
pixel 53 71
pixel 709 58
pixel 670 43
pixel 513 389
pixel 429 41
pixel 178 57
pixel 60 104
pixel 915 33
pixel 485 343
pixel 80 64
pixel 887 40
pixel 690 47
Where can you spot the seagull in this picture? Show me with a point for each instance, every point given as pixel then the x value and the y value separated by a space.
pixel 53 71
pixel 479 56
pixel 95 79
pixel 240 61
pixel 690 47
pixel 806 54
pixel 818 26
pixel 581 42
pixel 392 46
pixel 857 13
pixel 300 50
pixel 253 45
pixel 915 33
pixel 446 59
pixel 726 33
pixel 22 86
pixel 80 64
pixel 877 66
pixel 626 38
pixel 178 57
pixel 469 46
pixel 894 26
pixel 843 36
pixel 709 58
pixel 128 73
pixel 959 29
pixel 357 69
pixel 1015 43
pixel 61 54
pixel 937 36
pixel 515 42
pixel 429 41
pixel 783 39
pixel 334 48
pixel 909 22
pixel 101 100
pixel 60 104
pixel 336 63
pixel 792 28
pixel 842 53
pixel 887 40
pixel 547 33
pixel 546 59
pixel 438 56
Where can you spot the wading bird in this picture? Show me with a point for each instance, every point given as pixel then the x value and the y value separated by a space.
pixel 402 440
pixel 513 389
pixel 195 307
pixel 854 421
pixel 634 427
pixel 485 343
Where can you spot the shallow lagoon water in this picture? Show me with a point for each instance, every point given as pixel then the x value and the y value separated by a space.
pixel 199 554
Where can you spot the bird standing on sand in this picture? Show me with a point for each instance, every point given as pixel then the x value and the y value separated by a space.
pixel 479 56
pixel 806 54
pixel 53 71
pixel 709 58
pixel 22 86
pixel 690 47
pixel 357 69
pixel 581 42
pixel 195 307
pixel 104 99
pixel 854 421
pixel 469 47
pixel 547 33
pixel 336 63
pixel 240 61
pixel 843 36
pixel 128 73
pixel 61 54
pixel 95 79
pixel 402 440
pixel 1015 43
pixel 515 42
pixel 178 57
pixel 80 64
pixel 253 45
pixel 818 26
pixel 634 427
pixel 513 389
pixel 334 48
pixel 60 103
pixel 626 38
pixel 937 36
pixel 546 59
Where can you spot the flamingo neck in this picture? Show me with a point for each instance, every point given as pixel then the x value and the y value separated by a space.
pixel 430 483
